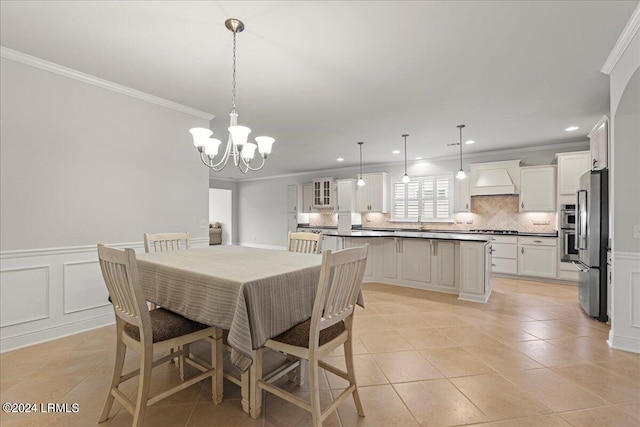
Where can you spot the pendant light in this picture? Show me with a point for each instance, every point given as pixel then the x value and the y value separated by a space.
pixel 461 174
pixel 360 180
pixel 405 178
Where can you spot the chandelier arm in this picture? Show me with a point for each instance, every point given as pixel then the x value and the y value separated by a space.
pixel 253 169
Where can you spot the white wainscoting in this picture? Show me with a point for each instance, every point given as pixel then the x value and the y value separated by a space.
pixel 625 325
pixel 50 293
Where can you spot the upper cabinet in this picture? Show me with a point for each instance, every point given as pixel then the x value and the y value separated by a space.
pixel 571 166
pixel 345 199
pixel 538 189
pixel 322 193
pixel 373 196
pixel 599 144
pixel 462 196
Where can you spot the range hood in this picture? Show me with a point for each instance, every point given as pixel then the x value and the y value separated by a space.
pixel 489 179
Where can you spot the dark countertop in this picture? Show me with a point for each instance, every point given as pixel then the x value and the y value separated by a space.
pixel 411 232
pixel 470 237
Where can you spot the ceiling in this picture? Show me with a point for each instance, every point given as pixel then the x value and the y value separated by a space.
pixel 321 75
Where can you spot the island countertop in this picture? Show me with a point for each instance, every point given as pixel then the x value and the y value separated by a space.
pixel 411 234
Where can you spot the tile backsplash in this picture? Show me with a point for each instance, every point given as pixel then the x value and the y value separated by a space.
pixel 487 212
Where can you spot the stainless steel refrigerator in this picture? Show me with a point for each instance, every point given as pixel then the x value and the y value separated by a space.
pixel 592 239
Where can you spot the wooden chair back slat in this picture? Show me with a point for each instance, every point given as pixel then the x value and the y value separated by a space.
pixel 308 243
pixel 338 288
pixel 119 270
pixel 166 242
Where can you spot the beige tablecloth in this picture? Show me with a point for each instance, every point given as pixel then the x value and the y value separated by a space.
pixel 255 293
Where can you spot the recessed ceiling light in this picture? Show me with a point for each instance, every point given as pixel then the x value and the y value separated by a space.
pixel 418 158
pixel 469 142
pixel 340 159
pixel 572 128
pixel 395 152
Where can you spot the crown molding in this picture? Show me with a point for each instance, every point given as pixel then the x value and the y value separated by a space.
pixel 516 152
pixel 42 64
pixel 625 38
pixel 604 119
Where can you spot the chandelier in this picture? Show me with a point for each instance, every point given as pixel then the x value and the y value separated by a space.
pixel 238 149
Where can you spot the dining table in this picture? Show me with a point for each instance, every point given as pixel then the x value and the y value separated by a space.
pixel 254 293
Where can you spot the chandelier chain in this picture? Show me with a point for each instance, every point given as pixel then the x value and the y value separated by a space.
pixel 233 84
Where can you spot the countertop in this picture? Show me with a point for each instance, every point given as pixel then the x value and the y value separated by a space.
pixel 470 237
pixel 400 232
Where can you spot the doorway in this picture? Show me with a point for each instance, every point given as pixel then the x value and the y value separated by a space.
pixel 220 210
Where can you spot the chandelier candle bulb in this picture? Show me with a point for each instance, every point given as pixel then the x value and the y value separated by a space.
pixel 264 145
pixel 248 151
pixel 211 147
pixel 200 136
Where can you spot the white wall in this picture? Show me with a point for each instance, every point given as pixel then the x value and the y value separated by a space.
pixel 625 157
pixel 233 186
pixel 262 214
pixel 81 164
pixel 220 210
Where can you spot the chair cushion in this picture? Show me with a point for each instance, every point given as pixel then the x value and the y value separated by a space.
pixel 299 335
pixel 165 325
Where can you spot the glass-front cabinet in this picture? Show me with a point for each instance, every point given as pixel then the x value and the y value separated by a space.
pixel 323 193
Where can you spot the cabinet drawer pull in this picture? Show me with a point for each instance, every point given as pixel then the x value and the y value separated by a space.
pixel 537 241
pixel 522 205
pixel 493 265
pixel 521 250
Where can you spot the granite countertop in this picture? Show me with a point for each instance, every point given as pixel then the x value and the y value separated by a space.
pixel 471 237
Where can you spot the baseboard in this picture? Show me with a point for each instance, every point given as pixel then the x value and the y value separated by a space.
pixel 54 333
pixel 623 343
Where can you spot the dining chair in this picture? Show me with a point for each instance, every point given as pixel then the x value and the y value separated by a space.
pixel 165 242
pixel 308 243
pixel 147 332
pixel 330 326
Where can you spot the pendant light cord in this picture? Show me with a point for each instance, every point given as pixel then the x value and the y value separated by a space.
pixel 460 147
pixel 405 153
pixel 360 144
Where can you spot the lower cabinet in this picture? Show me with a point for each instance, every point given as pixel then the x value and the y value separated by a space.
pixel 390 249
pixel 428 264
pixel 537 257
pixel 505 254
pixel 475 275
pixel 416 260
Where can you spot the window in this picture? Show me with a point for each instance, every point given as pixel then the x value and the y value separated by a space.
pixel 424 198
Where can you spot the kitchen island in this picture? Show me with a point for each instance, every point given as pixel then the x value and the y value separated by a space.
pixel 457 263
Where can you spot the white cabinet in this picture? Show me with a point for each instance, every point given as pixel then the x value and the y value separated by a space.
pixel 504 250
pixel 373 196
pixel 322 193
pixel 443 263
pixel 599 144
pixel 537 256
pixel 462 196
pixel 416 260
pixel 390 247
pixel 571 166
pixel 345 200
pixel 538 189
pixel 307 198
pixel 475 271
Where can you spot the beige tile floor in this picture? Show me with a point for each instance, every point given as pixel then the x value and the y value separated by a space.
pixel 529 357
